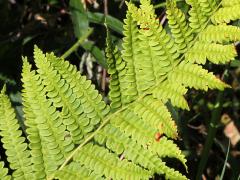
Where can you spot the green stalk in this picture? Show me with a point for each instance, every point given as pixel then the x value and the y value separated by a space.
pixel 216 114
pixel 77 44
pixel 225 162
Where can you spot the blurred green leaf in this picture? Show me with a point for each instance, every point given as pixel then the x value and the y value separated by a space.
pixel 96 52
pixel 111 22
pixel 235 63
pixel 7 80
pixel 28 39
pixel 79 18
pixel 52 2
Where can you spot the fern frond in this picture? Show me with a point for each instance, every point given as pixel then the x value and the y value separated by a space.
pixel 192 75
pixel 90 100
pixel 216 53
pixel 226 14
pixel 17 153
pixel 155 113
pixel 46 133
pixel 117 141
pixel 171 91
pixel 130 54
pixel 154 59
pixel 162 46
pixel 122 143
pixel 102 162
pixel 116 69
pixel 148 66
pixel 221 33
pixel 148 9
pixel 82 106
pixel 208 6
pixel 226 3
pixel 167 148
pixel 144 119
pixel 170 173
pixel 179 27
pixel 32 131
pixel 4 172
pixel 37 151
pixel 61 94
pixel 197 16
pixel 76 171
pixel 147 156
pixel 132 125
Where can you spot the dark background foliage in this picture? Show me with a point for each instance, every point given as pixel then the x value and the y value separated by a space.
pixel 55 25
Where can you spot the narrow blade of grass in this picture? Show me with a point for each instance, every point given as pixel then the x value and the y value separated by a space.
pixel 225 163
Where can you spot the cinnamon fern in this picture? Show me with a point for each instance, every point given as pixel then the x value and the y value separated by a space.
pixel 71 133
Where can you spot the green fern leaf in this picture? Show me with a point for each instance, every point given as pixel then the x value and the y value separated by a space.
pixel 116 69
pixel 32 130
pixel 167 148
pixel 139 155
pixel 147 156
pixel 4 172
pixel 200 12
pixel 147 8
pixel 171 91
pixel 132 125
pixel 208 6
pixel 163 51
pixel 155 113
pixel 91 101
pixel 179 26
pixel 82 106
pixel 192 75
pixel 17 153
pixel 102 162
pixel 144 119
pixel 130 56
pixel 216 53
pixel 226 3
pixel 46 133
pixel 131 141
pixel 222 33
pixel 76 171
pixel 226 14
pixel 60 94
pixel 197 16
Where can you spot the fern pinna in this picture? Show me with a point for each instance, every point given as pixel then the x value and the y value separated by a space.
pixel 71 133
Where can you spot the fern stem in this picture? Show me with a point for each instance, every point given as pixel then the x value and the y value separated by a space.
pixel 216 113
pixel 77 44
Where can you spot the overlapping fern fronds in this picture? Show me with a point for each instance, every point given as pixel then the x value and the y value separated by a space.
pixel 17 153
pixel 73 134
